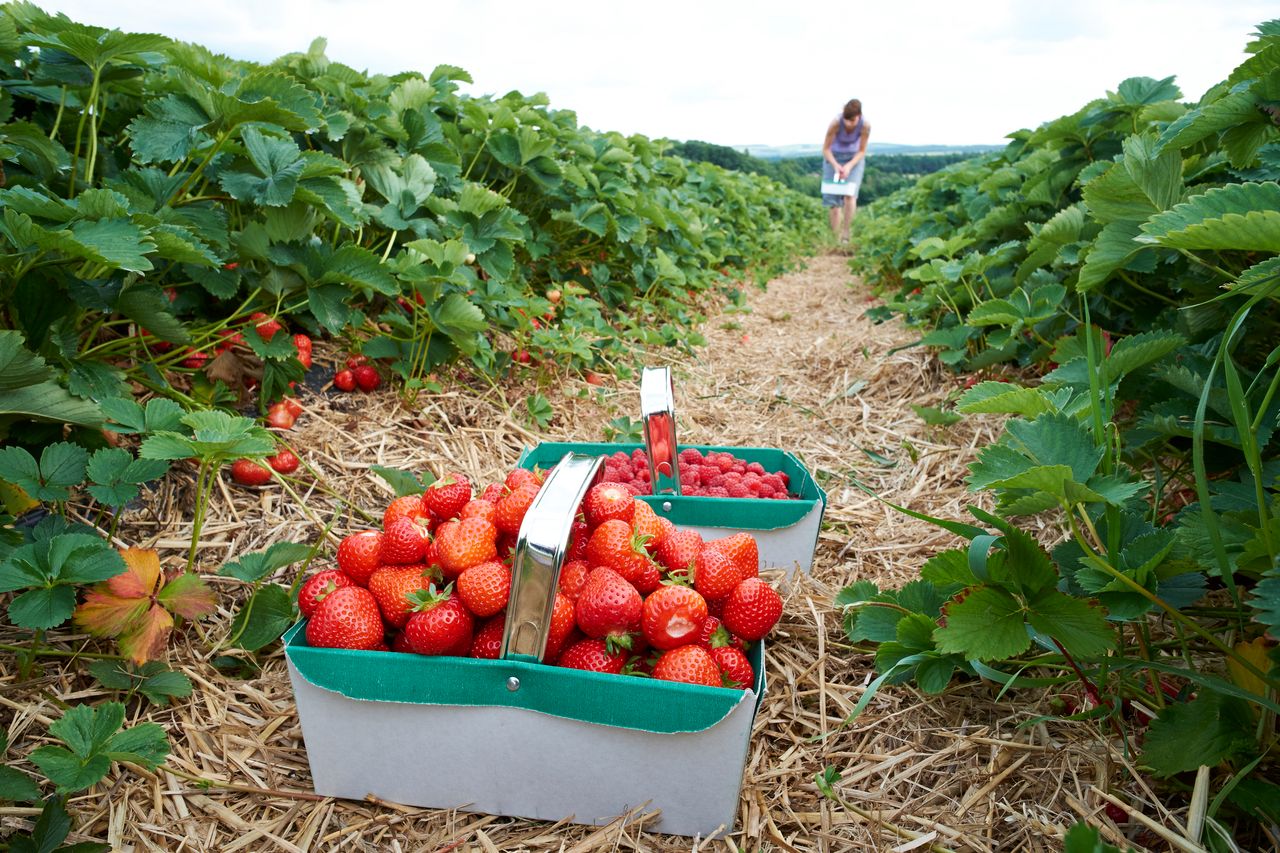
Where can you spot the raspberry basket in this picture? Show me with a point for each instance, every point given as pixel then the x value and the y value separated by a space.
pixel 516 737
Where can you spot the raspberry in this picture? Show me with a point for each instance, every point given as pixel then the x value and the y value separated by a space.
pixel 755 468
pixel 738 490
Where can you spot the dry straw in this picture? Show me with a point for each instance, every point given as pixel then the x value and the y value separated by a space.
pixel 802 369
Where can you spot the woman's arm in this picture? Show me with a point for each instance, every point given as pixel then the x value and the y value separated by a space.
pixel 862 147
pixel 826 145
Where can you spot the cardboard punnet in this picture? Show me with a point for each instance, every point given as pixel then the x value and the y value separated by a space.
pixel 554 743
pixel 786 531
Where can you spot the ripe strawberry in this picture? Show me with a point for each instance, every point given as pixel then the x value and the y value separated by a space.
pixel 230 338
pixel 344 380
pixel 752 608
pixel 402 544
pixel 404 507
pixel 609 607
pixel 479 508
pixel 647 526
pixel 463 544
pixel 266 326
pixel 278 417
pixel 742 549
pixel 573 577
pixel 195 360
pixel 594 378
pixel 367 378
pixel 348 618
pixel 522 477
pixel 607 501
pixel 679 550
pixel 400 643
pixel 593 656
pixel 511 509
pixel 714 574
pixel 292 406
pixel 246 472
pixel 485 588
pixel 360 555
pixel 439 625
pixel 673 616
pixel 315 588
pixel 735 669
pixel 354 361
pixel 579 536
pixel 563 624
pixel 303 343
pixel 487 642
pixel 392 585
pixel 284 462
pixel 493 493
pixel 447 496
pixel 691 664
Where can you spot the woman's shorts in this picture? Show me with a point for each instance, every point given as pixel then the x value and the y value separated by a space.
pixel 855 178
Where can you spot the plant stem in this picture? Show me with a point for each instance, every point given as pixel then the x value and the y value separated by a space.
pixel 49 652
pixel 203 479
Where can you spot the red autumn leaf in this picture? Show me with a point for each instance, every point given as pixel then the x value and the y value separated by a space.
pixel 136 606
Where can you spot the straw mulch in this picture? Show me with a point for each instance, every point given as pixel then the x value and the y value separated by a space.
pixel 801 369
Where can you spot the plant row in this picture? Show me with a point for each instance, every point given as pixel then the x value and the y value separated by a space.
pixel 1109 281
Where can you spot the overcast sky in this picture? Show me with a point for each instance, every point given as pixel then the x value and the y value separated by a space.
pixel 745 72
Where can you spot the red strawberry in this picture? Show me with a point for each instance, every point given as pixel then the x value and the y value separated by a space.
pixel 647 526
pixel 463 544
pixel 735 669
pixel 406 506
pixel 522 477
pixel 195 360
pixel 487 642
pixel 230 337
pixel 493 493
pixel 303 343
pixel 246 472
pixel 714 574
pixel 741 548
pixel 607 501
pixel 367 378
pixel 752 608
pixel 344 380
pixel 593 656
pixel 348 618
pixel 360 555
pixel 679 550
pixel 400 643
pixel 691 664
pixel 479 508
pixel 673 616
pixel 563 624
pixel 511 509
pixel 354 361
pixel 609 607
pixel 392 585
pixel 267 326
pixel 447 496
pixel 485 588
pixel 402 544
pixel 579 535
pixel 573 577
pixel 284 462
pixel 278 417
pixel 292 406
pixel 315 588
pixel 613 546
pixel 439 624
pixel 647 577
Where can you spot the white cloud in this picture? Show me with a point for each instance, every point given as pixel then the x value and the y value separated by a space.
pixel 747 72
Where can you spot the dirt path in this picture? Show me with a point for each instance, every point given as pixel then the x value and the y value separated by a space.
pixel 802 369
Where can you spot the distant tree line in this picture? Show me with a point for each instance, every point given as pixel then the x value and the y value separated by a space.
pixel 885 173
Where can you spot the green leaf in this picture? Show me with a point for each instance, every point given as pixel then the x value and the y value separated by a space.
pixel 1266 603
pixel 1082 838
pixel 328 305
pixel 934 674
pixel 1242 217
pixel 1005 397
pixel 356 265
pixel 62 467
pixel 1082 629
pixel 403 482
pixel 258 565
pixel 539 409
pixel 460 319
pixel 1205 731
pixel 987 624
pixel 278 164
pixel 1112 250
pixel 17 786
pixel 263 618
pixel 936 417
pixel 40 609
pixel 19 367
pixel 147 305
pixel 217 436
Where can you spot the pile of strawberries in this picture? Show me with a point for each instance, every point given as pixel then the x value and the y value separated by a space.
pixel 718 474
pixel 636 594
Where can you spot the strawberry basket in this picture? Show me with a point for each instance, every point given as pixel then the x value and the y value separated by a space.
pixel 785 528
pixel 515 736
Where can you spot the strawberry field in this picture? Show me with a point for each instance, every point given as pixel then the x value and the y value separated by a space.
pixel 276 336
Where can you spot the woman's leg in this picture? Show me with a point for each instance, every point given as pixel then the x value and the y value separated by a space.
pixel 850 207
pixel 833 215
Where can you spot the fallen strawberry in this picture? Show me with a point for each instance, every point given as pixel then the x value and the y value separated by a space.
pixel 279 417
pixel 284 462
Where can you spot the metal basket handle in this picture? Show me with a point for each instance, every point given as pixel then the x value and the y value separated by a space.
pixel 658 409
pixel 540 550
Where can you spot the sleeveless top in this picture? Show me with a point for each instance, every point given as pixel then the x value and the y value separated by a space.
pixel 847 143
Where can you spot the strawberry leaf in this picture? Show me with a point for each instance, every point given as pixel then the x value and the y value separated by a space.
pixel 1205 731
pixel 987 625
pixel 401 481
pixel 187 596
pixel 1081 628
pixel 153 680
pixel 258 565
pixel 264 617
pixel 39 609
pixel 61 467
